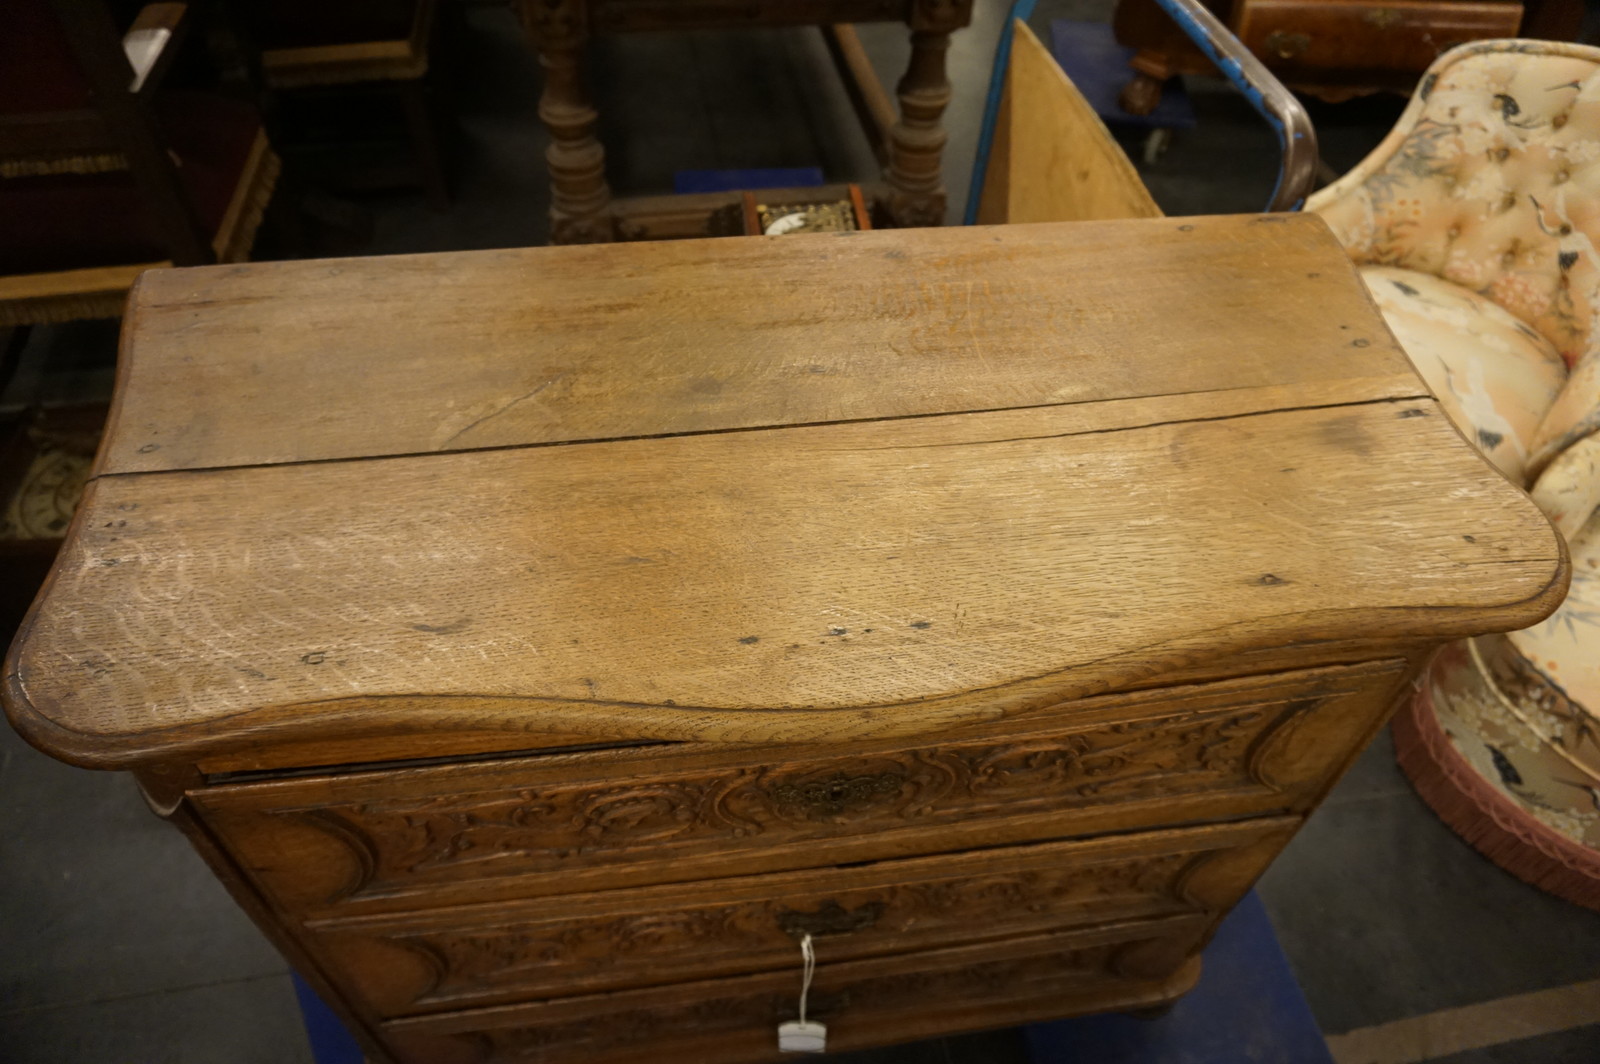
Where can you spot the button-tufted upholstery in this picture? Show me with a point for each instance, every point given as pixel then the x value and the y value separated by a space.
pixel 1491 179
pixel 1476 224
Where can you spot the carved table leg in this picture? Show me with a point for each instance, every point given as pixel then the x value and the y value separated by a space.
pixel 580 200
pixel 916 186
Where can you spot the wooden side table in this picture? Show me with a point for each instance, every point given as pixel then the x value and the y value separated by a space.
pixel 582 210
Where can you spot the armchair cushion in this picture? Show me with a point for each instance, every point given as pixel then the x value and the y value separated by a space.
pixel 1575 415
pixel 1494 376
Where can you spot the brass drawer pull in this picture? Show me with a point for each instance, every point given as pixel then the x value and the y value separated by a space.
pixel 831 918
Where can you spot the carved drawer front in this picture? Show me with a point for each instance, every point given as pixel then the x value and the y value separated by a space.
pixel 558 947
pixel 1308 35
pixel 430 837
pixel 863 1003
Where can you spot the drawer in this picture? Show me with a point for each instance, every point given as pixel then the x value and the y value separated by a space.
pixel 863 1003
pixel 558 947
pixel 1338 35
pixel 572 823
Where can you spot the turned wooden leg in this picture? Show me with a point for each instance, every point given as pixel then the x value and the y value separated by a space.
pixel 916 187
pixel 580 200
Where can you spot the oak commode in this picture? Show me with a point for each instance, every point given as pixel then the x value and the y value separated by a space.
pixel 540 643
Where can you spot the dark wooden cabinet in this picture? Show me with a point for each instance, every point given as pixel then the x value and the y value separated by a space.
pixel 1333 49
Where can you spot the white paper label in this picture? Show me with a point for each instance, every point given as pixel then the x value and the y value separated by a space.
pixel 802 1036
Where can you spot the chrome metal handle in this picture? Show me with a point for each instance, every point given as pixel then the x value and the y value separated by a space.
pixel 1283 112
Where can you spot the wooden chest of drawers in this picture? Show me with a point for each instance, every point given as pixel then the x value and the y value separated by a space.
pixel 540 644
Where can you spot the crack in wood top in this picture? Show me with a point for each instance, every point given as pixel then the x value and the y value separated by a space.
pixel 1067 485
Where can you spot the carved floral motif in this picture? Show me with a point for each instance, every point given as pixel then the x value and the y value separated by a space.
pixel 545 953
pixel 582 823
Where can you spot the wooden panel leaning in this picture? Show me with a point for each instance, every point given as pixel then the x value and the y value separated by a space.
pixel 537 643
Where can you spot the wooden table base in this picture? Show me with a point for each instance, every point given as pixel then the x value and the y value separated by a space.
pixel 582 210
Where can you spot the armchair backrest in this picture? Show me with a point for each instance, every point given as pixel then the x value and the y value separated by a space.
pixel 1491 180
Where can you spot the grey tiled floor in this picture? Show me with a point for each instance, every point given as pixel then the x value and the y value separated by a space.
pixel 1384 913
pixel 1578 1046
pixel 116 945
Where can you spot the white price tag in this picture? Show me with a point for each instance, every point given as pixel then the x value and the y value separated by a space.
pixel 802 1036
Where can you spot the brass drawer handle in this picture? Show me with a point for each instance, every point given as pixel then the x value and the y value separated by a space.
pixel 1287 45
pixel 831 918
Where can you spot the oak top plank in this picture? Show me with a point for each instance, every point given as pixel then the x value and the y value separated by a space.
pixel 799 584
pixel 304 361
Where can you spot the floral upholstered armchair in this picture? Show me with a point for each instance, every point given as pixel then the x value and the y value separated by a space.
pixel 1476 226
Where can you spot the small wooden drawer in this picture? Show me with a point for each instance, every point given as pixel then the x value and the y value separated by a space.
pixel 1340 35
pixel 557 947
pixel 571 823
pixel 867 1002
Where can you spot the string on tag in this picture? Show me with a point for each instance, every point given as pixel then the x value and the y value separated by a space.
pixel 802 1035
pixel 809 968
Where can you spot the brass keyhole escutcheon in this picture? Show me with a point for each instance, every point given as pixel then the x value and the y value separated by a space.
pixel 831 918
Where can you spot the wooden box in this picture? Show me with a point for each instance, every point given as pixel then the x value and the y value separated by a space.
pixel 541 643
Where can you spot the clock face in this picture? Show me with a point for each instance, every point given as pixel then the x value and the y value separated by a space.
pixel 43 503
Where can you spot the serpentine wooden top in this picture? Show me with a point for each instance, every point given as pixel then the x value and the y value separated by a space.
pixel 803 488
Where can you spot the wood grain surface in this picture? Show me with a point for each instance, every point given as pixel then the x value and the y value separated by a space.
pixel 304 361
pixel 1053 159
pixel 369 529
pixel 802 584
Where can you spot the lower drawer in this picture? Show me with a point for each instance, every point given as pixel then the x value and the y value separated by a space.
pixel 863 1003
pixel 560 947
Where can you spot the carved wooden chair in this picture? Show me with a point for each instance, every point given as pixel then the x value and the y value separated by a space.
pixel 103 171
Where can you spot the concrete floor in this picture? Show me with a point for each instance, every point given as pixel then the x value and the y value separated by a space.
pixel 117 945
